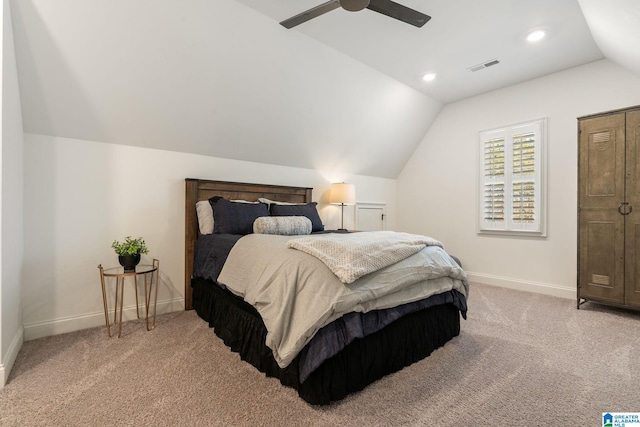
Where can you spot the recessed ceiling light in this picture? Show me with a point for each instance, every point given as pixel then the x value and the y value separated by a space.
pixel 534 36
pixel 429 77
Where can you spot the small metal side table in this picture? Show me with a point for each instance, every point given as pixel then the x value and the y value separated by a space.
pixel 150 275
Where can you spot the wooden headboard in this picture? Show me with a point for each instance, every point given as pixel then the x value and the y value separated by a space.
pixel 200 189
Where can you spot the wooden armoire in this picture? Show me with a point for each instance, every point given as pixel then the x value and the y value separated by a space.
pixel 609 208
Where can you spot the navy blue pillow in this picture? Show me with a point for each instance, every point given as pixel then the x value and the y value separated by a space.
pixel 309 210
pixel 235 217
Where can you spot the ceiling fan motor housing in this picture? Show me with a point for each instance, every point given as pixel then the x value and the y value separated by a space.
pixel 354 5
pixel 385 7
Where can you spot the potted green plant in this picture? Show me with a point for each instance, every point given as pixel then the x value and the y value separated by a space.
pixel 129 252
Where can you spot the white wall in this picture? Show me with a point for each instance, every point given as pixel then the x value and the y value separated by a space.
pixel 11 236
pixel 81 195
pixel 437 188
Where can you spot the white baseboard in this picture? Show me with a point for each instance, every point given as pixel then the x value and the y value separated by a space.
pixel 12 354
pixel 523 285
pixel 64 325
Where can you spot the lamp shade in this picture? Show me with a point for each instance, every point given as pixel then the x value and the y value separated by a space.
pixel 343 194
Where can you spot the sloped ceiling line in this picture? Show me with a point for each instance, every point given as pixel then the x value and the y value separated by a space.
pixel 342 92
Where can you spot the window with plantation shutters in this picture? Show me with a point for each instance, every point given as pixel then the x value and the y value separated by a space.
pixel 512 179
pixel 493 190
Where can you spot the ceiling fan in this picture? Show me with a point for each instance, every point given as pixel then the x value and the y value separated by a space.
pixel 386 7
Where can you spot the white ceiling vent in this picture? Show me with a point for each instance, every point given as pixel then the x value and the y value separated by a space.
pixel 484 65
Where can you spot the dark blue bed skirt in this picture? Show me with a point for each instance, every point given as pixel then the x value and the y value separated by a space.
pixel 404 341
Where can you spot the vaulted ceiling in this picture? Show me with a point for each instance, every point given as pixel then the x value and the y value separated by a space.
pixel 460 35
pixel 342 92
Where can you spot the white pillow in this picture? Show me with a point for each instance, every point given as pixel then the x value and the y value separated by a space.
pixel 273 202
pixel 282 225
pixel 205 216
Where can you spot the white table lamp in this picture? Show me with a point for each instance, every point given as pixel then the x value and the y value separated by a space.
pixel 343 194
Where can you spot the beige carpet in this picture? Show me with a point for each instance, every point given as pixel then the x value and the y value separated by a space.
pixel 521 360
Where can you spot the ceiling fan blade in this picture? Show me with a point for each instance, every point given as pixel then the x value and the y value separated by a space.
pixel 400 12
pixel 310 14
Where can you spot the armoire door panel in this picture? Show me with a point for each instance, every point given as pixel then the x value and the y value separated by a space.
pixel 632 260
pixel 633 158
pixel 632 225
pixel 601 162
pixel 601 272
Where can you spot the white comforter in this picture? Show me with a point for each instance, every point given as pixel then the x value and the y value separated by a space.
pixel 296 294
pixel 353 255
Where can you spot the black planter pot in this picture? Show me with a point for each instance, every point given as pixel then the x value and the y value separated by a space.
pixel 129 262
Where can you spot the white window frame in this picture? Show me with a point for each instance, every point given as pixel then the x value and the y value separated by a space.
pixel 508 226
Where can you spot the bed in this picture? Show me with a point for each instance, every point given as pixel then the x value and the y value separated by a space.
pixel 320 371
